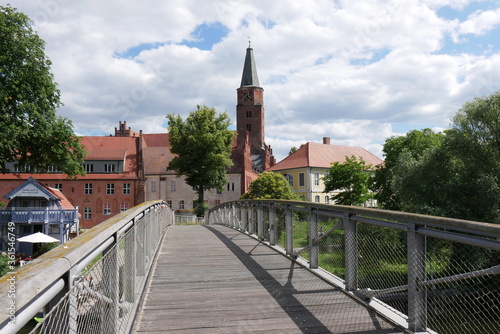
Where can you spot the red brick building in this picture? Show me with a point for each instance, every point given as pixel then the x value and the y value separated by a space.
pixel 111 185
pixel 130 167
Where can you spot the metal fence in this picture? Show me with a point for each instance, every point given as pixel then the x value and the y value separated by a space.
pixel 93 283
pixel 427 274
pixel 189 220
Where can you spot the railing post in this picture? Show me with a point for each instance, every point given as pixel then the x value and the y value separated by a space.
pixel 251 223
pixel 313 236
pixel 272 225
pixel 244 217
pixel 238 216
pixel 417 305
pixel 289 230
pixel 231 216
pixel 260 222
pixel 351 253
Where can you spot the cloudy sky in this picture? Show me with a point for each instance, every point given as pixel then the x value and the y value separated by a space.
pixel 356 71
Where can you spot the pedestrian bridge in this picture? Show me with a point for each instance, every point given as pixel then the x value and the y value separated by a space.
pixel 263 266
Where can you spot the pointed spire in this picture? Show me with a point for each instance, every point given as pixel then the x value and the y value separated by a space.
pixel 249 77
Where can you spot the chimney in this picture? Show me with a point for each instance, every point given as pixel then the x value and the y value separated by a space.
pixel 326 140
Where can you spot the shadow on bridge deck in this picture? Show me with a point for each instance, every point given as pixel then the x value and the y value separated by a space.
pixel 213 279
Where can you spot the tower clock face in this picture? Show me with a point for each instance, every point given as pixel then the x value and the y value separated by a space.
pixel 248 96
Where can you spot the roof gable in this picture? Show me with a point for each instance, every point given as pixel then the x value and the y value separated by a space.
pixel 31 188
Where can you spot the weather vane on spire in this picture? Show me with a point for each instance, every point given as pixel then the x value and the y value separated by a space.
pixel 249 42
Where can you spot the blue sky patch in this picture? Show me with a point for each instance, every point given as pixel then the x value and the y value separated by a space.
pixel 376 56
pixel 134 51
pixel 462 14
pixel 206 35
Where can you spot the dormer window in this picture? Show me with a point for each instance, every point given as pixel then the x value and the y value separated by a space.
pixel 109 168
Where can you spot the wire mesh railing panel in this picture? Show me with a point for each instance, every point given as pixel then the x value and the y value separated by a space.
pixel 104 296
pixel 280 227
pixel 300 226
pixel 382 263
pixel 465 296
pixel 331 246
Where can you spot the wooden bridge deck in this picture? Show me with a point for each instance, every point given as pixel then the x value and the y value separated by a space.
pixel 213 279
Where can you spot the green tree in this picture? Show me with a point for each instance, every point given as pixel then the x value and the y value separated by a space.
pixel 456 174
pixel 32 134
pixel 270 185
pixel 401 150
pixel 202 144
pixel 352 177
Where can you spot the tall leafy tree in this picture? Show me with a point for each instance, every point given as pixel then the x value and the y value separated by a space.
pixel 352 178
pixel 202 144
pixel 459 174
pixel 270 185
pixel 32 134
pixel 401 150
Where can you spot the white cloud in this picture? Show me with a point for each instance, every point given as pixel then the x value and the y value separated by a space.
pixel 480 22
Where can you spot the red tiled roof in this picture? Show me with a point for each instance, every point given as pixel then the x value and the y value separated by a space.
pixel 323 155
pixel 156 160
pixel 156 140
pixel 109 148
pixel 63 201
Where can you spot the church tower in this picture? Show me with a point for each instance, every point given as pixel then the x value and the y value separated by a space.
pixel 250 112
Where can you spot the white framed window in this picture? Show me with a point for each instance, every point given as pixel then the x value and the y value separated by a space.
pixel 181 204
pixel 123 207
pixel 317 199
pixel 316 179
pixel 327 199
pixel 153 186
pixel 173 186
pixel 126 189
pixel 169 203
pixel 89 168
pixel 289 177
pixel 87 213
pixel 87 190
pixel 106 208
pixel 58 186
pixel 110 189
pixel 109 168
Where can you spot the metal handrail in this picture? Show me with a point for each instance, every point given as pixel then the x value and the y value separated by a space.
pixel 42 282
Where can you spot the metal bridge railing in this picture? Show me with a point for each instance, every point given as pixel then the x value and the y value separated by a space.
pixel 188 220
pixel 91 284
pixel 427 274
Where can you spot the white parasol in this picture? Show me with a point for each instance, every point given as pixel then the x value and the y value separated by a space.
pixel 38 237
